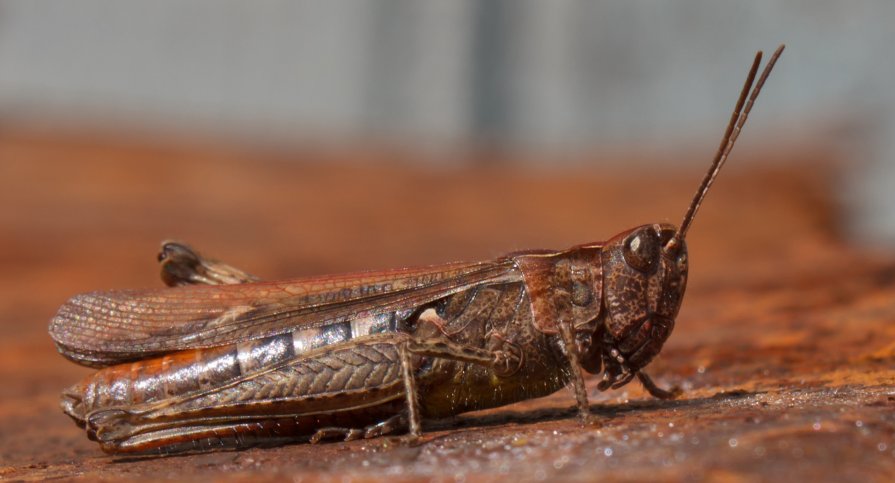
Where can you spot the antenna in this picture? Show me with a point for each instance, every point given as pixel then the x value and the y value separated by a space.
pixel 737 120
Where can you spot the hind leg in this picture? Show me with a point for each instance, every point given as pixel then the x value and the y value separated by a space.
pixel 391 425
pixel 412 421
pixel 347 434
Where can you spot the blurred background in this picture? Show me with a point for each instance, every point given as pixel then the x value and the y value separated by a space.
pixel 563 79
pixel 298 138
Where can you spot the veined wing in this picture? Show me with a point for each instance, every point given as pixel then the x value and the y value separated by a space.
pixel 102 328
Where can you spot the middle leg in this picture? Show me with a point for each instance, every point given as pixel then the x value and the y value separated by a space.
pixel 577 379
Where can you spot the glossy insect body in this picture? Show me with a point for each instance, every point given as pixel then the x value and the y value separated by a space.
pixel 224 360
pixel 492 342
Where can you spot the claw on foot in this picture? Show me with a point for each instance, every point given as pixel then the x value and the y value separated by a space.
pixel 334 433
pixel 388 426
pixel 657 391
pixel 409 440
pixel 586 419
pixel 354 434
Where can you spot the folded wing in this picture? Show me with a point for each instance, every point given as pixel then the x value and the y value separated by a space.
pixel 103 328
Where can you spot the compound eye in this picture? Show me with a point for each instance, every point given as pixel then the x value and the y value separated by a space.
pixel 641 250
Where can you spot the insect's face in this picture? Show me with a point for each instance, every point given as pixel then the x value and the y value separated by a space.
pixel 643 286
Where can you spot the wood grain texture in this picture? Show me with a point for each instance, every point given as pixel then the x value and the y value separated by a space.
pixel 785 344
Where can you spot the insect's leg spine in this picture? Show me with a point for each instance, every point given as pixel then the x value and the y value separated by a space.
pixel 577 379
pixel 413 403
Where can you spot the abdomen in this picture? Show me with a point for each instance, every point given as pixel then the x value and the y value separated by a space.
pixel 184 372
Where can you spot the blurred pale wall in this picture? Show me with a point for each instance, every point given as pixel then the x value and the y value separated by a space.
pixel 545 75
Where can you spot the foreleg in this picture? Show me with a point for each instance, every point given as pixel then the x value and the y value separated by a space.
pixel 655 390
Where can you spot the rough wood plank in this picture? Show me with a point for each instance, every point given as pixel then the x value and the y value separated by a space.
pixel 785 344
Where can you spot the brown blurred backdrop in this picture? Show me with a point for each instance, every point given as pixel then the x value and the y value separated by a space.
pixel 294 139
pixel 557 77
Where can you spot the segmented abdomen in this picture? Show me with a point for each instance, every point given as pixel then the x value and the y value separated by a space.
pixel 183 372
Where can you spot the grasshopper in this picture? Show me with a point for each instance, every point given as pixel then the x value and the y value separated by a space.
pixel 224 360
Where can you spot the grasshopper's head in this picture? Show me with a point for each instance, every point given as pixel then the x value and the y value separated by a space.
pixel 645 269
pixel 644 278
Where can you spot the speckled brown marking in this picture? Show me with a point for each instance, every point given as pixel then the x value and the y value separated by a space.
pixel 224 360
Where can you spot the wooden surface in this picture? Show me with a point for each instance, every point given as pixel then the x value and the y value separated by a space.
pixel 785 343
